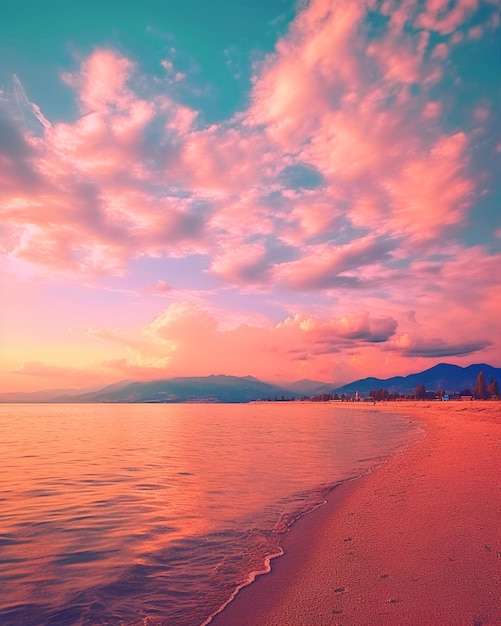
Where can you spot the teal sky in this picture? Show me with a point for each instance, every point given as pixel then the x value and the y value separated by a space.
pixel 214 42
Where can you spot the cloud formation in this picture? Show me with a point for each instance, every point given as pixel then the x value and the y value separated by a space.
pixel 350 179
pixel 136 173
pixel 183 330
pixel 438 347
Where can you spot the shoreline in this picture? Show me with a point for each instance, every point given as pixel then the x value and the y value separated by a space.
pixel 414 542
pixel 253 576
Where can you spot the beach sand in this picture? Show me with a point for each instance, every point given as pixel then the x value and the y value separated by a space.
pixel 414 543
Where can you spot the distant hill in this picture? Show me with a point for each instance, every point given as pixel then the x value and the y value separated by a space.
pixel 222 388
pixel 308 387
pixel 444 376
pixel 189 389
pixel 45 395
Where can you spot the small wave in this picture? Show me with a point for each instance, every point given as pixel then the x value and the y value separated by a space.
pixel 249 580
pixel 311 501
pixel 307 502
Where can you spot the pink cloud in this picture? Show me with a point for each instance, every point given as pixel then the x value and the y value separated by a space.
pixel 440 292
pixel 106 200
pixel 440 51
pixel 432 110
pixel 349 146
pixel 360 326
pixel 102 193
pixel 182 119
pixel 243 215
pixel 102 80
pixel 225 160
pixel 431 192
pixel 318 51
pixel 35 109
pixel 468 273
pixel 159 288
pixel 310 214
pixel 188 340
pixel 77 199
pixel 337 343
pixel 244 264
pixel 475 32
pixel 338 178
pixel 482 113
pixel 326 265
pixel 173 75
pixel 444 18
pixel 356 141
pixel 437 347
pixel 399 63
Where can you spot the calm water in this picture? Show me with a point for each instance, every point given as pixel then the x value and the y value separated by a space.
pixel 154 514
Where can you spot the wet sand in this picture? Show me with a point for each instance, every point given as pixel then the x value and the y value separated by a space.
pixel 414 543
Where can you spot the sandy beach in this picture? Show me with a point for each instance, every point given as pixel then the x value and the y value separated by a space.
pixel 414 543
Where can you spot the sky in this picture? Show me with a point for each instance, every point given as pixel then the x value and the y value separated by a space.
pixel 280 189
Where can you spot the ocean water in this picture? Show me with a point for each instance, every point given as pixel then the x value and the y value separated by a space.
pixel 155 514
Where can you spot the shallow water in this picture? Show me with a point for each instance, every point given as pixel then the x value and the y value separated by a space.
pixel 154 514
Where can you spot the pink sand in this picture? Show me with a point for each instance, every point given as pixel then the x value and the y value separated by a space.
pixel 414 543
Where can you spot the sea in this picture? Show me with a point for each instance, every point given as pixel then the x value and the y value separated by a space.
pixel 157 514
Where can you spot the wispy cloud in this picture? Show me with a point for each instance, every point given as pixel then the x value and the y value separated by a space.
pixel 22 98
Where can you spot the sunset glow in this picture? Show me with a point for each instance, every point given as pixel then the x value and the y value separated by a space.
pixel 276 189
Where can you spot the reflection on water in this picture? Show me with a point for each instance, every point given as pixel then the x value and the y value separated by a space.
pixel 153 514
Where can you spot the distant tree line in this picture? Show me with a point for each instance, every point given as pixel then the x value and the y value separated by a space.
pixel 384 394
pixel 481 391
pixel 420 392
pixel 324 397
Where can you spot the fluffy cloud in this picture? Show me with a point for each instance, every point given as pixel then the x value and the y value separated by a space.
pixel 91 190
pixel 444 18
pixel 437 348
pixel 188 338
pixel 325 266
pixel 349 174
pixel 356 327
pixel 102 81
pixel 160 288
pixel 332 140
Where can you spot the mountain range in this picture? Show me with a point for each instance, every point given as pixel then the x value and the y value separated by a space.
pixel 444 376
pixel 449 378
